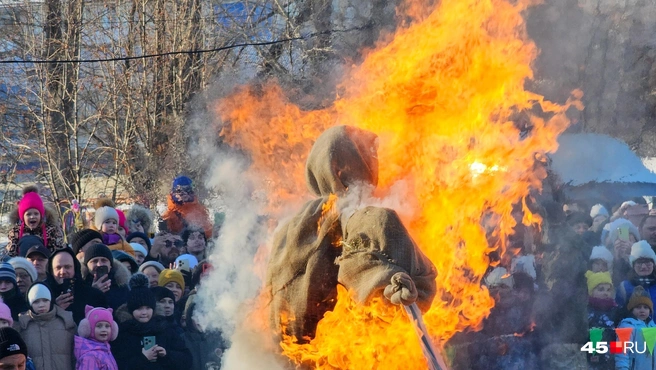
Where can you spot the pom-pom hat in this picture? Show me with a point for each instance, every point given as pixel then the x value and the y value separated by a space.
pixel 140 295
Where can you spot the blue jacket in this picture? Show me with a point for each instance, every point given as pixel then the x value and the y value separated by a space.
pixel 635 361
pixel 625 290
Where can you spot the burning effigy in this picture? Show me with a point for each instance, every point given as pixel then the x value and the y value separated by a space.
pixel 416 173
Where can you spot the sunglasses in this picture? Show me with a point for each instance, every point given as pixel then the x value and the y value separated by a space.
pixel 177 243
pixel 183 190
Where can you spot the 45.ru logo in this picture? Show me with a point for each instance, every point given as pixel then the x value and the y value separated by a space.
pixel 615 347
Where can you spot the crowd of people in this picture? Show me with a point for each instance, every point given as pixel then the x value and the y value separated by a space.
pixel 108 296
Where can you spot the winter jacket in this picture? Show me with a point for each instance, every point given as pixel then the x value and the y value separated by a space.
pixel 16 302
pixel 49 338
pixel 118 291
pixel 127 347
pixel 178 216
pixel 206 348
pixel 636 361
pixel 54 232
pixel 625 290
pixel 93 355
pixel 606 320
pixel 83 294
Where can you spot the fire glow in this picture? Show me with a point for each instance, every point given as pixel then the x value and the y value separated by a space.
pixel 441 94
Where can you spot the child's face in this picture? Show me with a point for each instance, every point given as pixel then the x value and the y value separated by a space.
pixel 41 305
pixel 6 285
pixel 139 257
pixel 602 291
pixel 31 218
pixel 175 288
pixel 121 232
pixel 4 323
pixel 599 265
pixel 143 314
pixel 165 307
pixel 102 331
pixel 580 228
pixel 110 226
pixel 641 312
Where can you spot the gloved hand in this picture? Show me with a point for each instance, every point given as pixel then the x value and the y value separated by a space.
pixel 402 290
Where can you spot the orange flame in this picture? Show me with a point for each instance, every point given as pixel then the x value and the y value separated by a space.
pixel 442 96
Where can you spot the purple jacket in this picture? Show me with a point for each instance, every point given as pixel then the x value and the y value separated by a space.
pixel 93 355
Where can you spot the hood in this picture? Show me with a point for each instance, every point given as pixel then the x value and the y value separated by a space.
pixel 51 216
pixel 142 214
pixel 342 156
pixel 120 275
pixel 76 263
pixel 84 346
pixel 637 323
pixel 67 317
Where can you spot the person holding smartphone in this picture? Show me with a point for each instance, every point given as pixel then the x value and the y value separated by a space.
pixel 147 341
pixel 102 272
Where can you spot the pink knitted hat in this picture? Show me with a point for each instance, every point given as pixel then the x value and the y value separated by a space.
pixel 93 315
pixel 121 221
pixel 31 199
pixel 5 313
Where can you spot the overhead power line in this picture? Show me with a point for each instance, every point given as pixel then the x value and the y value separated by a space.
pixel 200 51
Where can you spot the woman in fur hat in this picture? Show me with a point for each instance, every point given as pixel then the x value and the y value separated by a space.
pixel 31 217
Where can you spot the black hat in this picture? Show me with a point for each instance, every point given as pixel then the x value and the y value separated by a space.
pixel 27 242
pixel 122 257
pixel 140 295
pixel 143 236
pixel 80 238
pixel 579 217
pixel 38 249
pixel 11 343
pixel 97 250
pixel 161 293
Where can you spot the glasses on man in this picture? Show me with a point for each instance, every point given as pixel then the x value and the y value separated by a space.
pixel 181 190
pixel 644 262
pixel 177 243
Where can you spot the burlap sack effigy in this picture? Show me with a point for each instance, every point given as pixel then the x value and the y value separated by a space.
pixel 302 273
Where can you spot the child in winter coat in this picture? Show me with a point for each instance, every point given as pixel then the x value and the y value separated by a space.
pixel 96 330
pixel 106 221
pixel 641 308
pixel 32 218
pixel 147 342
pixel 48 330
pixel 602 314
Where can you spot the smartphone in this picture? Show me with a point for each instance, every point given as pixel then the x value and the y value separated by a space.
pixel 148 342
pixel 101 271
pixel 623 233
pixel 183 265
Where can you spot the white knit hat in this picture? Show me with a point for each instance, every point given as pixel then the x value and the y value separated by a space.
pixel 38 291
pixel 139 248
pixel 25 264
pixel 602 253
pixel 598 210
pixel 104 213
pixel 641 249
pixel 499 276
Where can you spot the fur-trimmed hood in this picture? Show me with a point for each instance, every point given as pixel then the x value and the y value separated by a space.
pixel 121 274
pixel 142 214
pixel 51 216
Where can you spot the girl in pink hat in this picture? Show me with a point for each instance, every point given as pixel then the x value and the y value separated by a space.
pixel 32 218
pixel 96 330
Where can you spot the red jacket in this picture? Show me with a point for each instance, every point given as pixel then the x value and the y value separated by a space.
pixel 178 216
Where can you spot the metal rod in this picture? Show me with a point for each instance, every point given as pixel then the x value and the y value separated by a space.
pixel 434 358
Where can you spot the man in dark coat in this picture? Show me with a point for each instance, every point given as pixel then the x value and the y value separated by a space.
pixel 68 287
pixel 114 284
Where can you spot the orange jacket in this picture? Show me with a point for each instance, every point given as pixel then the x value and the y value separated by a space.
pixel 177 216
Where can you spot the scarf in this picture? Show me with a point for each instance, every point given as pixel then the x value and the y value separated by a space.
pixel 644 281
pixel 602 304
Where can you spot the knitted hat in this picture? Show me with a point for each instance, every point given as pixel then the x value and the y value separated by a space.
pixel 27 242
pixel 142 236
pixel 31 199
pixel 121 220
pixel 158 266
pixel 94 315
pixel 596 278
pixel 97 250
pixel 640 296
pixel 641 249
pixel 497 277
pixel 80 238
pixel 602 253
pixel 139 294
pixel 5 313
pixel 103 214
pixel 598 210
pixel 38 290
pixel 139 248
pixel 168 276
pixel 7 272
pixel 23 263
pixel 161 293
pixel 123 257
pixel 181 181
pixel 192 262
pixel 11 343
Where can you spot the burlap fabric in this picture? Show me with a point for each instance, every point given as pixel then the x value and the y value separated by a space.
pixel 302 273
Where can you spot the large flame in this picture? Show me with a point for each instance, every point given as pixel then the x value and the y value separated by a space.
pixel 443 95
